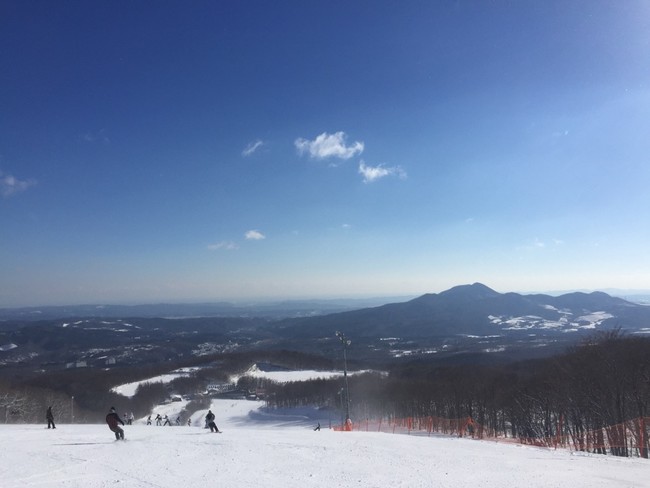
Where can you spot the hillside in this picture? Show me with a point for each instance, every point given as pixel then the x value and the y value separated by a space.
pixel 258 450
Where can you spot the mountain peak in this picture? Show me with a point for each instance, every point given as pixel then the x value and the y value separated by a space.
pixel 474 291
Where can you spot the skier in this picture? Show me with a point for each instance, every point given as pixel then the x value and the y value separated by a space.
pixel 131 418
pixel 167 422
pixel 209 418
pixel 317 427
pixel 149 420
pixel 189 422
pixel 158 419
pixel 178 420
pixel 49 416
pixel 112 420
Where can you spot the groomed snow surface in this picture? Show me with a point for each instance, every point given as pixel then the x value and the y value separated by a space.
pixel 271 450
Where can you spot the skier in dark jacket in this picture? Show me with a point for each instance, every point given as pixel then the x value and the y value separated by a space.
pixel 49 416
pixel 209 418
pixel 112 419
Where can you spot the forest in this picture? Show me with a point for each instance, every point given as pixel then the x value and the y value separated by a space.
pixel 593 389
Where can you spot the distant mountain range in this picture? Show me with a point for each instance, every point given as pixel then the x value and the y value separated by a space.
pixel 463 323
pixel 272 310
pixel 478 310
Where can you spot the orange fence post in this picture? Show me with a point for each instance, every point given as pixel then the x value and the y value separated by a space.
pixel 641 437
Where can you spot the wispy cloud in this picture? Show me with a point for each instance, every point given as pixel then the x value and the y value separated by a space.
pixel 223 245
pixel 538 244
pixel 99 136
pixel 329 146
pixel 254 235
pixel 10 185
pixel 373 173
pixel 252 147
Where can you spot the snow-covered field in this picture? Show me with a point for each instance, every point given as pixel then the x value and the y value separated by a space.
pixel 286 376
pixel 129 389
pixel 260 449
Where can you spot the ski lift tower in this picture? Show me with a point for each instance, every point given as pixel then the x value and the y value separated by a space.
pixel 346 342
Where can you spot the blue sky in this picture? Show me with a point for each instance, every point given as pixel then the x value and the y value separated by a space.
pixel 190 151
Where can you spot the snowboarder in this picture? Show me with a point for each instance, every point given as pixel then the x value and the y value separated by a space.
pixel 49 416
pixel 209 419
pixel 112 420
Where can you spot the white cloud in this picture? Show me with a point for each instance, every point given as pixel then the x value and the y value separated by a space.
pixel 373 173
pixel 10 185
pixel 225 245
pixel 254 235
pixel 252 147
pixel 328 146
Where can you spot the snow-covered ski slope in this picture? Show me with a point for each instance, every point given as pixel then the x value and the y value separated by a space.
pixel 260 449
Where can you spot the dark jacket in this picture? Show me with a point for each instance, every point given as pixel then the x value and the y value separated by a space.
pixel 48 414
pixel 112 419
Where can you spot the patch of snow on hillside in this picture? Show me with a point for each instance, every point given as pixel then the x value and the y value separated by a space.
pixel 563 323
pixel 129 389
pixel 288 375
pixel 590 321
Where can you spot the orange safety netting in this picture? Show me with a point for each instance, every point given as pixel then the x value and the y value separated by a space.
pixel 462 427
pixel 629 438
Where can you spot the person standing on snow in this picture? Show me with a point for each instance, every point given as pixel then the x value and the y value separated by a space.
pixel 209 419
pixel 49 416
pixel 112 419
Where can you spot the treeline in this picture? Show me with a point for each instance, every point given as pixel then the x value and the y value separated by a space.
pixel 603 382
pixel 84 394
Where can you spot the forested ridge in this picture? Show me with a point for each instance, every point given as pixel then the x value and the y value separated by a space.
pixel 600 383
